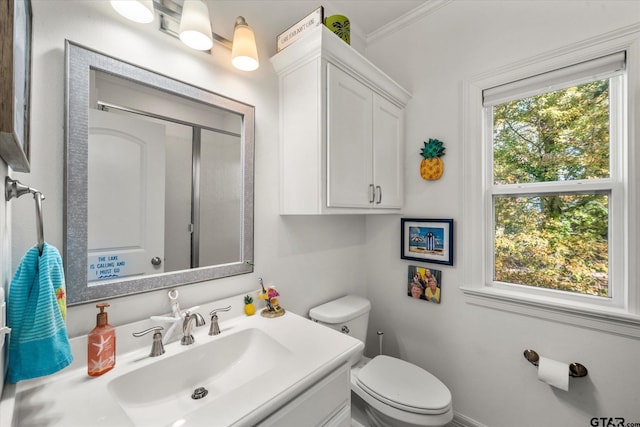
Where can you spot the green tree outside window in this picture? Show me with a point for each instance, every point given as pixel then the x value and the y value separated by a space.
pixel 556 241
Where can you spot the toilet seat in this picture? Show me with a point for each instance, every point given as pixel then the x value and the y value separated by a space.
pixel 404 386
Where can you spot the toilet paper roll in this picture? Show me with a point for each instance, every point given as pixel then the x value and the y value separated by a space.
pixel 554 373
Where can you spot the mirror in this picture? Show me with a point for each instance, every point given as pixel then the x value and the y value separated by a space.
pixel 158 180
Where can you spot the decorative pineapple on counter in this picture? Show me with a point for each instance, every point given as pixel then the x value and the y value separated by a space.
pixel 249 307
pixel 432 166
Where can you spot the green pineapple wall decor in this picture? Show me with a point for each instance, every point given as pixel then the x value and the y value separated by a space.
pixel 432 166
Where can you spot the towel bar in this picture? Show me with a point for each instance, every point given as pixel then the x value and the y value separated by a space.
pixel 14 189
pixel 576 370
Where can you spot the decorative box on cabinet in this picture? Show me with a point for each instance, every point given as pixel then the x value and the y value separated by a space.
pixel 341 130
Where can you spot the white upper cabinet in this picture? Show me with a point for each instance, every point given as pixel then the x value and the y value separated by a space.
pixel 341 130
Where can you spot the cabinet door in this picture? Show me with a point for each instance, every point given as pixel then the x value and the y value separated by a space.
pixel 349 141
pixel 387 153
pixel 326 403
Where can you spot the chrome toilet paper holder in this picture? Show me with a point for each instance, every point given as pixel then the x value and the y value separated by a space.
pixel 576 370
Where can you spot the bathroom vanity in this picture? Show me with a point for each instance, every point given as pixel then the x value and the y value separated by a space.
pixel 257 372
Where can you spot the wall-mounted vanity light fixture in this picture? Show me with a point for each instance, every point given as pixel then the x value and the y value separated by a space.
pixel 244 53
pixel 195 26
pixel 140 11
pixel 189 21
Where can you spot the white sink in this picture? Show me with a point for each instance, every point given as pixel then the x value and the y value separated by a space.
pixel 255 367
pixel 163 391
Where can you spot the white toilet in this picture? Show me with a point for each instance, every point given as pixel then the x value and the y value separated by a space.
pixel 392 392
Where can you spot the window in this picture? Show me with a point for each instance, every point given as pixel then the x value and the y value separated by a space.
pixel 551 214
pixel 553 178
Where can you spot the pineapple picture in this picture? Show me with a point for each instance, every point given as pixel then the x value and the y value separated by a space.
pixel 432 166
pixel 249 307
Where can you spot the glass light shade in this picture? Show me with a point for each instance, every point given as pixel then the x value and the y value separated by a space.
pixel 140 11
pixel 244 54
pixel 195 26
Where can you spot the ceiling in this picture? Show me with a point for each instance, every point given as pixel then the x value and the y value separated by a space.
pixel 272 17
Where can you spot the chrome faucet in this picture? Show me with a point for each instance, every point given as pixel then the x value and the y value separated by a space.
pixel 214 329
pixel 187 326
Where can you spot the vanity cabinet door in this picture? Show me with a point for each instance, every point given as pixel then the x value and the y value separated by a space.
pixel 349 141
pixel 326 403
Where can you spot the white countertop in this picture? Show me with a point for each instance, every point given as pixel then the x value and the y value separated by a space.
pixel 72 398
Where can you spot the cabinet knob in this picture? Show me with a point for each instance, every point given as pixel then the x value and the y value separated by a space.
pixel 372 193
pixel 379 191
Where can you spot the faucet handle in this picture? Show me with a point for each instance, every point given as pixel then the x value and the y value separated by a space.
pixel 157 348
pixel 214 329
pixel 217 310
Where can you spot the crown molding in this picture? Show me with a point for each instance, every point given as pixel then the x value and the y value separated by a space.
pixel 429 7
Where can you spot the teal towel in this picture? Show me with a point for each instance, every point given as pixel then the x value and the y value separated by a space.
pixel 38 343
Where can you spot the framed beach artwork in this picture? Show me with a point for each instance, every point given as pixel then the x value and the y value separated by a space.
pixel 424 283
pixel 427 240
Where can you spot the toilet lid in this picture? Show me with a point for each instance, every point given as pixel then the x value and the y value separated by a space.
pixel 404 386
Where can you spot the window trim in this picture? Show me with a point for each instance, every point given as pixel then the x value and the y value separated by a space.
pixel 613 185
pixel 623 319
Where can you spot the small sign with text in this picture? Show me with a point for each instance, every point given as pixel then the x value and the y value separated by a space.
pixel 294 33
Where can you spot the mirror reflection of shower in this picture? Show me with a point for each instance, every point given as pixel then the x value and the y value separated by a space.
pixel 165 194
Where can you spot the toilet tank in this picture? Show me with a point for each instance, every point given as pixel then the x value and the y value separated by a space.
pixel 349 314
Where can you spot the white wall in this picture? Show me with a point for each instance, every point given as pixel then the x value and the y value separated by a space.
pixel 477 351
pixel 310 260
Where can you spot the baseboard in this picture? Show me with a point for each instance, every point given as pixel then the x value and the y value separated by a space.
pixel 460 420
